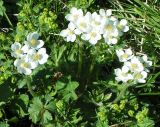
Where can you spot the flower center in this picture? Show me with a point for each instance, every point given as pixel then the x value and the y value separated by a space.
pixel 124 74
pixel 109 27
pixel 75 17
pixel 34 42
pixel 96 23
pixel 138 76
pixel 120 27
pixel 25 65
pixel 70 32
pixel 19 51
pixel 83 25
pixel 36 57
pixel 93 34
pixel 125 56
pixel 134 66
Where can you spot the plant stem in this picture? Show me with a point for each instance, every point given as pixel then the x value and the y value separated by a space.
pixel 80 58
pixel 29 86
pixel 149 94
pixel 123 91
pixel 8 20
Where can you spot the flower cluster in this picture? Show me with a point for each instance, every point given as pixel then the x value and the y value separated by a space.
pixel 30 55
pixel 135 68
pixel 93 26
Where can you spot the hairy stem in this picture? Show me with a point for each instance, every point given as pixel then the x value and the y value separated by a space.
pixel 80 58
pixel 29 86
pixel 122 93
pixel 8 20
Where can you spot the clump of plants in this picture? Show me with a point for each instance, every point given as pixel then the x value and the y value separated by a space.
pixel 79 63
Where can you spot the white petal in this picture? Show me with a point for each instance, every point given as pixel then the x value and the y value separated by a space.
pixel 25 48
pixel 114 40
pixel 31 51
pixel 128 51
pixel 16 62
pixel 42 51
pixel 33 35
pixel 126 28
pixel 119 52
pixel 73 38
pixel 98 37
pixel 144 74
pixel 77 32
pixel 44 59
pixel 68 17
pixel 27 71
pixel 93 41
pixel 15 46
pixel 71 26
pixel 102 12
pixel 117 71
pixel 123 22
pixel 68 38
pixel 141 81
pixel 125 69
pixel 115 32
pixel 109 12
pixel 33 64
pixel 64 33
pixel 73 10
pixel 41 43
pixel 85 37
pixel 80 12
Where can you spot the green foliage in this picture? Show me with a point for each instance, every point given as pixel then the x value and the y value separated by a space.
pixel 2 8
pixel 39 111
pixel 77 87
pixel 67 89
pixel 81 3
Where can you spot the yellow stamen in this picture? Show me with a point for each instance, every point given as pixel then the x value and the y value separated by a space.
pixel 138 76
pixel 19 51
pixel 34 42
pixel 36 57
pixel 134 66
pixel 109 27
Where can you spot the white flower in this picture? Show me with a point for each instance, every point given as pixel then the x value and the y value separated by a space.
pixel 109 29
pixel 24 66
pixel 33 42
pixel 110 40
pixel 123 27
pixel 17 51
pixel 38 57
pixel 69 33
pixel 139 77
pixel 83 24
pixel 146 62
pixel 135 65
pixel 74 14
pixel 110 32
pixel 105 13
pixel 124 55
pixel 123 74
pixel 92 37
pixel 97 22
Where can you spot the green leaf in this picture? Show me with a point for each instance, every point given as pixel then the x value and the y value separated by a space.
pixel 72 86
pixel 35 109
pixel 51 106
pixel 21 83
pixel 67 89
pixel 46 117
pixel 3 124
pixel 60 85
pixel 2 8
